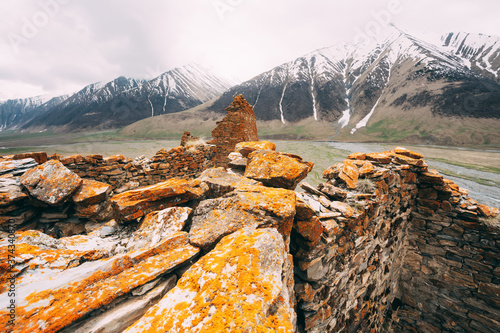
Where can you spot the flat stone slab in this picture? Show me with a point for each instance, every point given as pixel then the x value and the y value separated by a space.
pixel 246 206
pixel 133 204
pixel 51 182
pixel 237 287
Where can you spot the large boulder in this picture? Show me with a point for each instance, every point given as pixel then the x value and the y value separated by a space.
pixel 277 169
pixel 243 285
pixel 133 204
pixel 256 206
pixel 51 182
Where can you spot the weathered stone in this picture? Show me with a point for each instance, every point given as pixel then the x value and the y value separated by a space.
pixel 304 211
pixel 349 174
pixel 11 191
pixel 277 169
pixel 53 302
pixel 238 125
pixel 333 192
pixel 238 286
pixel 256 206
pixel 430 178
pixel 342 207
pixel 126 313
pixel 39 157
pixel 367 168
pixel 159 225
pixel 402 159
pixel 407 152
pixel 357 156
pixel 220 181
pixel 137 203
pixel 91 192
pixel 237 161
pixel 487 211
pixel 379 158
pixel 333 171
pixel 309 229
pixel 16 167
pixel 245 148
pixel 51 182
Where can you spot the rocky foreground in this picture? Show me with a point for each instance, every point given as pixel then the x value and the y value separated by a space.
pixel 384 244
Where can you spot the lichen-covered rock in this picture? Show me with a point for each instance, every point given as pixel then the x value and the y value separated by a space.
pixel 16 167
pixel 91 192
pixel 310 229
pixel 51 182
pixel 349 173
pixel 10 191
pixel 137 203
pixel 220 181
pixel 407 152
pixel 237 287
pixel 256 206
pixel 277 169
pixel 245 148
pixel 51 303
pixel 157 226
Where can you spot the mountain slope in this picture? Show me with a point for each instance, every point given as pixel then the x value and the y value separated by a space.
pixel 397 75
pixel 16 112
pixel 125 100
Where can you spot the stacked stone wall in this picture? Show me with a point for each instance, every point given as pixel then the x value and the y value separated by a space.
pixel 411 254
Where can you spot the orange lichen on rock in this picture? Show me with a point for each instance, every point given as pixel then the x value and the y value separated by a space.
pixel 137 203
pixel 237 287
pixel 48 306
pixel 245 148
pixel 277 169
pixel 407 152
pixel 91 192
pixel 349 173
pixel 51 182
pixel 379 157
pixel 256 206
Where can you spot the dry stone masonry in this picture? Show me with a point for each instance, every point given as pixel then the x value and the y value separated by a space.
pixel 174 244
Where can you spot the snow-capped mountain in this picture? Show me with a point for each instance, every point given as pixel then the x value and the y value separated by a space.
pixel 482 51
pixel 15 112
pixel 390 81
pixel 126 100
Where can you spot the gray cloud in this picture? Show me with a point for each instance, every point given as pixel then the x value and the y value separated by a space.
pixel 78 42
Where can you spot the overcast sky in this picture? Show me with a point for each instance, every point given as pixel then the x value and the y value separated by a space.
pixel 55 46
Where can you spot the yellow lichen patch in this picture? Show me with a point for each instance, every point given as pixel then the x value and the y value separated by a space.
pixel 277 169
pixel 137 203
pixel 79 297
pixel 246 206
pixel 43 258
pixel 228 290
pixel 91 192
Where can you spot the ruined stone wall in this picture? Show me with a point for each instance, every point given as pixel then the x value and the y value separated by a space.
pixel 451 277
pixel 238 125
pixel 349 277
pixel 124 173
pixel 412 255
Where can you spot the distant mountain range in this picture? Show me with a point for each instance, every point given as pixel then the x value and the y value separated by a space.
pixel 395 87
pixel 391 77
pixel 116 103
